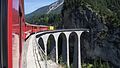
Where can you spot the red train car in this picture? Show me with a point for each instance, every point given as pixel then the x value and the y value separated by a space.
pixel 13 31
pixel 30 28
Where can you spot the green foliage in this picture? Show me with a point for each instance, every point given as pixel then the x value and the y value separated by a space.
pixel 61 62
pixel 96 64
pixel 45 19
pixel 87 65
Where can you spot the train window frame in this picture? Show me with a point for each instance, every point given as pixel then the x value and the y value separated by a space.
pixel 0 36
pixel 3 34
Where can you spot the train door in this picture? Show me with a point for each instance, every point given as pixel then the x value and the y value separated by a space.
pixel 17 31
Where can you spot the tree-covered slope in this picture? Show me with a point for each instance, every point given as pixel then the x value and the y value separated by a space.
pixel 41 15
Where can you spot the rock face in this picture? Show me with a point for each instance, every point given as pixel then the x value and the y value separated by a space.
pixel 103 40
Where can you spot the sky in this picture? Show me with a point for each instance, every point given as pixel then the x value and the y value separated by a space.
pixel 32 5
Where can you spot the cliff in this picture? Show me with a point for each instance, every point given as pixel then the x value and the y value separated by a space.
pixel 102 17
